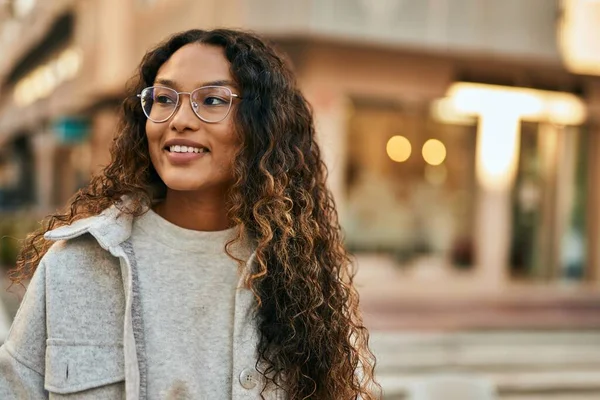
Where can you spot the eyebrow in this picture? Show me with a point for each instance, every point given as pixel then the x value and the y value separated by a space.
pixel 173 84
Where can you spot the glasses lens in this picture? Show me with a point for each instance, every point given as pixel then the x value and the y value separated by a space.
pixel 211 103
pixel 159 103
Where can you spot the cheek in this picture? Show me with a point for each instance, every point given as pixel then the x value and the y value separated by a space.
pixel 232 145
pixel 153 136
pixel 228 141
pixel 154 151
pixel 228 145
pixel 150 131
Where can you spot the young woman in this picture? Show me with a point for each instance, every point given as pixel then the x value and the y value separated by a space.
pixel 206 261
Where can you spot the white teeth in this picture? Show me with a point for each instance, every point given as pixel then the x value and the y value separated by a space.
pixel 186 149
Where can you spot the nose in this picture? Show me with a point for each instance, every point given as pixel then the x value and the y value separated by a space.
pixel 184 117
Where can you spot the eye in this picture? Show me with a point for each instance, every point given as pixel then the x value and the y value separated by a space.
pixel 214 101
pixel 164 99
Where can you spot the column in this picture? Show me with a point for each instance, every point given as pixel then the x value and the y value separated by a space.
pixel 593 199
pixel 565 199
pixel 593 211
pixel 331 117
pixel 498 139
pixel 44 147
pixel 548 243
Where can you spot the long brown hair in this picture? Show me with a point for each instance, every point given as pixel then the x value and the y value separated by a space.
pixel 311 332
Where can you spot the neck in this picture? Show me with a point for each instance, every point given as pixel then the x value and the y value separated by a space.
pixel 191 211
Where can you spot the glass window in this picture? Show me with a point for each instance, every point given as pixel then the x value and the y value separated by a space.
pixel 549 201
pixel 410 184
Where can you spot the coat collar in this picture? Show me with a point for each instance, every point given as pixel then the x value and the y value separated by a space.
pixel 110 228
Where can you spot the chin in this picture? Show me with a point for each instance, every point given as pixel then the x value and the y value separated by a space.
pixel 188 181
pixel 182 184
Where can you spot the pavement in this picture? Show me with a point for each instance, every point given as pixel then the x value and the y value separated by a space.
pixel 520 365
pixel 393 299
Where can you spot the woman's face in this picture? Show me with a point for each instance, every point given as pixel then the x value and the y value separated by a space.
pixel 209 167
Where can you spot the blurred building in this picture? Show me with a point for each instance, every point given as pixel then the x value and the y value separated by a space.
pixel 462 136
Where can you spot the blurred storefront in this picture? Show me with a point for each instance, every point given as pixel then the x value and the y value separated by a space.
pixel 50 100
pixel 461 148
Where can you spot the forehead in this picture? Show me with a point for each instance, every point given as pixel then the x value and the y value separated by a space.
pixel 195 64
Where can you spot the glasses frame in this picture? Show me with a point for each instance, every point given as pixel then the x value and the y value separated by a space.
pixel 178 103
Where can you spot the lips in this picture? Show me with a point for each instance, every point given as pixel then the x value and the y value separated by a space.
pixel 183 151
pixel 184 158
pixel 178 145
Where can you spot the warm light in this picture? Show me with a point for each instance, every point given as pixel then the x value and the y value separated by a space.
pixel 529 104
pixel 45 81
pixel 23 7
pixel 434 152
pixel 42 81
pixel 497 149
pixel 398 148
pixel 565 109
pixel 578 32
pixel 477 99
pixel 500 110
pixel 69 63
pixel 444 111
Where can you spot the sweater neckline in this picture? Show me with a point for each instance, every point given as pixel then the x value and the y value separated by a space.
pixel 180 238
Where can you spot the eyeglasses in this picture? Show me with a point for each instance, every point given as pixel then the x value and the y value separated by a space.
pixel 211 104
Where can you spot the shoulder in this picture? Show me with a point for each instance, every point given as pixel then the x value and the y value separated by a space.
pixel 78 259
pixel 88 241
pixel 82 249
pixel 83 285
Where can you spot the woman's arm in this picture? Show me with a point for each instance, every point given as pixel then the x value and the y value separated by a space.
pixel 22 356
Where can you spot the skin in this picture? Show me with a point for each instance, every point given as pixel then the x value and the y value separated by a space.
pixel 197 190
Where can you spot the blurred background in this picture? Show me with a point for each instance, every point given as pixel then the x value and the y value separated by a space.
pixel 463 142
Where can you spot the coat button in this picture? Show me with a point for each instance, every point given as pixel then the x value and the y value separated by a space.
pixel 249 378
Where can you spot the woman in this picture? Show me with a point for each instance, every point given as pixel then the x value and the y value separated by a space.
pixel 206 261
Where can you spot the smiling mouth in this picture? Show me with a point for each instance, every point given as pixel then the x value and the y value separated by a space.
pixel 186 149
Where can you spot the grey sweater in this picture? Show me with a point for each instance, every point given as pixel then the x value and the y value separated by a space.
pixel 81 333
pixel 187 289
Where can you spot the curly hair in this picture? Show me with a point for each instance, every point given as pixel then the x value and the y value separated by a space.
pixel 311 335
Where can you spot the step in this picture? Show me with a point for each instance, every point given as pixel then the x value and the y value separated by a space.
pixel 509 383
pixel 493 313
pixel 520 350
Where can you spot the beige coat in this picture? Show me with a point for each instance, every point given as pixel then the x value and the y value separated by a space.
pixel 78 333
